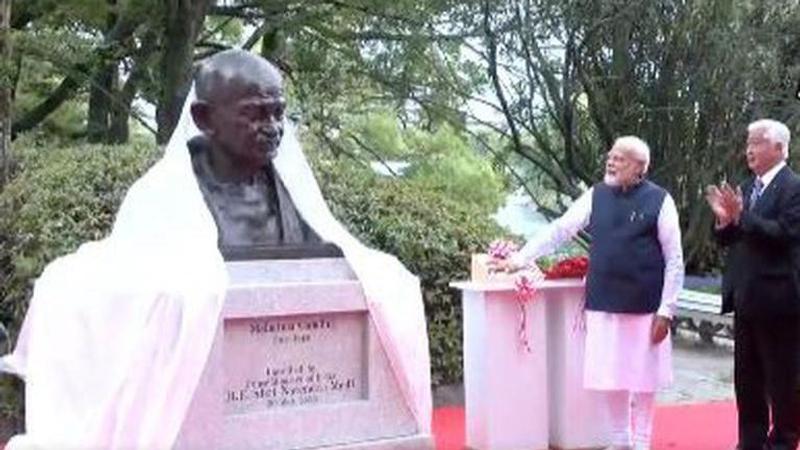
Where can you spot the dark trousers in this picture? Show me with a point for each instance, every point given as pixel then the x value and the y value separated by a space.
pixel 766 377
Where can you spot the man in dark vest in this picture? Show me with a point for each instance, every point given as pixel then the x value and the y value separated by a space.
pixel 760 225
pixel 635 274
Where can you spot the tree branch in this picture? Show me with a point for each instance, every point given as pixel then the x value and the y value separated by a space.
pixel 372 152
pixel 256 35
pixel 68 87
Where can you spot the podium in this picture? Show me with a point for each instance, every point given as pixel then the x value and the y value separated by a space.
pixel 515 399
pixel 297 364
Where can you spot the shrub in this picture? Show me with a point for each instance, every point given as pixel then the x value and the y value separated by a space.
pixel 433 234
pixel 59 198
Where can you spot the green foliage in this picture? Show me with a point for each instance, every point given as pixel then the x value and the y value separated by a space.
pixel 407 55
pixel 576 75
pixel 64 196
pixel 59 198
pixel 432 218
pixel 46 56
pixel 445 162
pixel 441 160
pixel 430 231
pixel 380 132
pixel 223 30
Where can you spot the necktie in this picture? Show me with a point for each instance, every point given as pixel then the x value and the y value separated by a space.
pixel 758 186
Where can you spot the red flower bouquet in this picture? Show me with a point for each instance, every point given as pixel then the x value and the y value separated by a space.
pixel 575 267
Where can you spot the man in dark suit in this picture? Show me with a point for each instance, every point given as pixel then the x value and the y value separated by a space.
pixel 760 224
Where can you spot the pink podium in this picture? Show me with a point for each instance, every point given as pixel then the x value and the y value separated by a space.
pixel 515 399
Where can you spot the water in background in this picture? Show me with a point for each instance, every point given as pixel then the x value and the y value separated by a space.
pixel 519 215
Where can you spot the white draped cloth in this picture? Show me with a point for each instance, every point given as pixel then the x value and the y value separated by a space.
pixel 117 334
pixel 619 353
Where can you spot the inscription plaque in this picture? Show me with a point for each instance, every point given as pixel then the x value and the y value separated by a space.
pixel 290 361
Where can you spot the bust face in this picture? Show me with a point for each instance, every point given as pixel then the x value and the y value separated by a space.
pixel 248 125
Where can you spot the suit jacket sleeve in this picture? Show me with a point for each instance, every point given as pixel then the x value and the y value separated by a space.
pixel 727 235
pixel 784 228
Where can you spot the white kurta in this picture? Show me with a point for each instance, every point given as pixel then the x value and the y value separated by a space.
pixel 619 353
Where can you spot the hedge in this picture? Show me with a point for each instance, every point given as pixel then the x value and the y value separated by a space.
pixel 58 198
pixel 433 234
pixel 62 196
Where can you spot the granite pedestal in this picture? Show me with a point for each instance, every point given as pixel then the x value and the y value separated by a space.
pixel 505 386
pixel 298 364
pixel 535 400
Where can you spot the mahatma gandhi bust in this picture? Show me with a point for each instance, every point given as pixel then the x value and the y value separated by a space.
pixel 239 110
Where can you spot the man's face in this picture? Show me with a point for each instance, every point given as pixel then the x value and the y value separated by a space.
pixel 248 126
pixel 622 169
pixel 761 154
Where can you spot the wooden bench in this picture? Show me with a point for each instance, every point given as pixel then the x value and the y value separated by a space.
pixel 700 311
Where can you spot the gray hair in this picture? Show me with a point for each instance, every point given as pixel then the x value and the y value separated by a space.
pixel 636 147
pixel 775 132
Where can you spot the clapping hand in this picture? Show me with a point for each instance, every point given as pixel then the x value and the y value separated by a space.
pixel 714 199
pixel 733 201
pixel 725 202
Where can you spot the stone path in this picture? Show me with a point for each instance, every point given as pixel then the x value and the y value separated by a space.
pixel 702 372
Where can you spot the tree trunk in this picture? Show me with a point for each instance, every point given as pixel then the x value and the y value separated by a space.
pixel 5 89
pixel 119 123
pixel 100 92
pixel 102 86
pixel 121 112
pixel 119 129
pixel 273 45
pixel 183 22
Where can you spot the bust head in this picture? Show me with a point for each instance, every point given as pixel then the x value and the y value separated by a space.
pixel 239 108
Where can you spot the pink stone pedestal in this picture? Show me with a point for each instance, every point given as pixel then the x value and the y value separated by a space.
pixel 578 419
pixel 534 400
pixel 297 364
pixel 506 403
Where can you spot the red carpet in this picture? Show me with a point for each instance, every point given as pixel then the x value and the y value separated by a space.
pixel 706 426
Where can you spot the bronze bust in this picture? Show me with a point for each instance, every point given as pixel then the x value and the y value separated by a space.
pixel 239 110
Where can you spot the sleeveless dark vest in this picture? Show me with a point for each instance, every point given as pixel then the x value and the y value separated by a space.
pixel 626 269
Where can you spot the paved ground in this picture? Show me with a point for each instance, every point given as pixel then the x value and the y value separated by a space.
pixel 702 373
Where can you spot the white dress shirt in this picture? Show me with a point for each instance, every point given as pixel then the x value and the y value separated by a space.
pixel 767 178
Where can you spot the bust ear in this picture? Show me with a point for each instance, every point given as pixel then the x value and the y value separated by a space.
pixel 201 113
